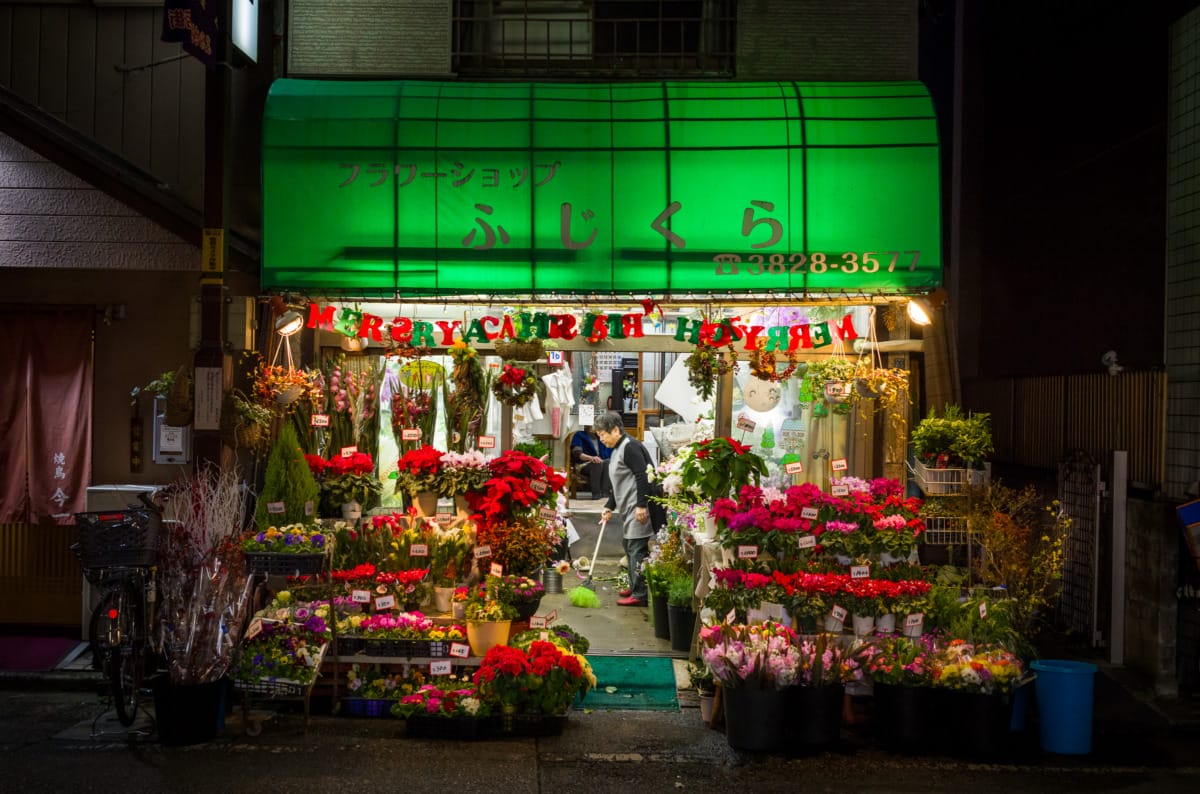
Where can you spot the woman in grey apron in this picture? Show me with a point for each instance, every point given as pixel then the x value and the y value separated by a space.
pixel 630 489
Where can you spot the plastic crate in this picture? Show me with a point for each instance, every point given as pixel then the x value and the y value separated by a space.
pixel 457 728
pixel 272 688
pixel 939 482
pixel 367 707
pixel 945 530
pixel 281 564
pixel 118 537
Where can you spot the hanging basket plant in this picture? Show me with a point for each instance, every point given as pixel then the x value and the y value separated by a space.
pixel 707 363
pixel 520 349
pixel 764 366
pixel 180 409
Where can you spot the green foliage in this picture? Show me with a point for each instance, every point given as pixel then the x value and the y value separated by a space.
pixel 288 480
pixel 701 679
pixel 534 449
pixel 679 590
pixel 966 438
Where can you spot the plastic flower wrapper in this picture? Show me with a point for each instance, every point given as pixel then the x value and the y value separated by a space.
pixel 757 656
pixel 451 554
pixel 827 659
pixel 205 594
pixel 898 660
pixel 976 668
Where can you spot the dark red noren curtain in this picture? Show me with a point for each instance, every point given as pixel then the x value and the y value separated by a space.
pixel 46 390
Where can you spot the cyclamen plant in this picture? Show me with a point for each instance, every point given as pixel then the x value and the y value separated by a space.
pixel 757 656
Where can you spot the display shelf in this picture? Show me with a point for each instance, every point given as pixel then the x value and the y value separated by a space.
pixel 939 482
pixel 945 530
pixel 470 661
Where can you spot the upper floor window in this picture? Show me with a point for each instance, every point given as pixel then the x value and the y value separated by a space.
pixel 594 38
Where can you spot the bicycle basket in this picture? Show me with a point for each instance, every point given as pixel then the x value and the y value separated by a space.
pixel 119 537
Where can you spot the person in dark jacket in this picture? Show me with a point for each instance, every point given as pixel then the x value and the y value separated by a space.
pixel 629 499
pixel 590 458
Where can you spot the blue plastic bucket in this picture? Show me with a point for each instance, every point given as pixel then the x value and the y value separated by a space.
pixel 1064 697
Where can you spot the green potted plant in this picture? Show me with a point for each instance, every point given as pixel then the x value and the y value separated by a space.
pixel 705 683
pixel 349 481
pixel 719 467
pixel 252 422
pixel 680 615
pixel 289 493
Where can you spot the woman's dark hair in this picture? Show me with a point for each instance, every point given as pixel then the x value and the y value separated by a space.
pixel 608 421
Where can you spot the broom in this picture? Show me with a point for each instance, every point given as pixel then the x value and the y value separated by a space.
pixel 585 594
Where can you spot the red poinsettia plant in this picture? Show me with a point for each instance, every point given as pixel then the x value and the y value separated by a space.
pixel 519 484
pixel 418 470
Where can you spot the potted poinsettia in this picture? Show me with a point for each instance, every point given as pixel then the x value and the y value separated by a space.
pixel 417 473
pixel 350 481
pixel 719 467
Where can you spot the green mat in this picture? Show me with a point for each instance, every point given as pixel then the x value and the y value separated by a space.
pixel 639 683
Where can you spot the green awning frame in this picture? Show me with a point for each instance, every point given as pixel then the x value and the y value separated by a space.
pixel 408 189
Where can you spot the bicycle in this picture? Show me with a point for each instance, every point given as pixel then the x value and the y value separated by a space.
pixel 118 551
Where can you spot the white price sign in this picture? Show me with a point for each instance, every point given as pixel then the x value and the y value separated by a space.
pixel 554 357
pixel 497 569
pixel 457 649
pixel 418 550
pixel 276 508
pixel 309 508
pixel 860 571
pixel 915 620
pixel 482 552
pixel 747 552
pixel 319 420
pixel 746 423
pixel 360 596
pixel 838 613
pixel 806 542
pixel 795 467
pixel 838 464
pixel 385 602
pixel 548 514
pixel 840 490
pixel 487 442
pixel 553 616
pixel 410 434
pixel 254 629
pixel 537 622
pixel 441 667
pixel 809 513
pixel 348 452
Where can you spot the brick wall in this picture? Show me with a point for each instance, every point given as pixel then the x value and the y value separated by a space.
pixel 368 37
pixel 817 40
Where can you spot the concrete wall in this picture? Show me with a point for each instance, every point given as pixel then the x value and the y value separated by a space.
pixel 818 40
pixel 1150 614
pixel 368 37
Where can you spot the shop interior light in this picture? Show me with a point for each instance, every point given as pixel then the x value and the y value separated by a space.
pixel 289 323
pixel 919 311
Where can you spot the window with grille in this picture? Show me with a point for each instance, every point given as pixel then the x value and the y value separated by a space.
pixel 594 38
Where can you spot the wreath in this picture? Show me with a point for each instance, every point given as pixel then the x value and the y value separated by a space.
pixel 706 365
pixel 762 365
pixel 515 386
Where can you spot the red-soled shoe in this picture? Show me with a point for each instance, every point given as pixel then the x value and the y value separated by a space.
pixel 631 602
pixel 625 593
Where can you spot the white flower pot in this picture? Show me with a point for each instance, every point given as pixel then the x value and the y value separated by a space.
pixel 834 625
pixel 351 511
pixel 710 528
pixel 863 625
pixel 459 610
pixel 443 599
pixel 706 708
pixel 886 624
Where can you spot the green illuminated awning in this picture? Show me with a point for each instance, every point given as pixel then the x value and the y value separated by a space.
pixel 412 188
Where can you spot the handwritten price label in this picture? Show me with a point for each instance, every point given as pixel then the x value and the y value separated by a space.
pixel 319 420
pixel 441 667
pixel 553 616
pixel 840 490
pixel 537 622
pixel 309 508
pixel 254 629
pixel 276 508
pixel 731 617
pixel 459 650
pixel 348 452
pixel 538 486
pixel 806 542
pixel 418 550
pixel 360 596
pixel 795 467
pixel 747 552
pixel 545 636
pixel 809 513
pixel 497 569
pixel 746 423
pixel 914 621
pixel 442 516
pixel 548 514
pixel 983 609
pixel 838 613
pixel 860 571
pixel 410 434
pixel 385 602
pixel 482 552
pixel 487 442
pixel 838 464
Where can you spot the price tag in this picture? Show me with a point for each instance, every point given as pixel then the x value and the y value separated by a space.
pixel 838 613
pixel 276 508
pixel 795 467
pixel 487 442
pixel 809 512
pixel 459 650
pixel 538 486
pixel 497 569
pixel 747 552
pixel 806 542
pixel 441 667
pixel 553 616
pixel 983 609
pixel 915 620
pixel 860 571
pixel 838 464
pixel 360 596
pixel 442 516
pixel 548 514
pixel 731 617
pixel 254 629
pixel 537 622
pixel 319 420
pixel 483 551
pixel 554 357
pixel 746 423
pixel 348 452
pixel 410 434
pixel 772 610
pixel 385 602
pixel 309 508
pixel 418 550
pixel 545 636
pixel 840 490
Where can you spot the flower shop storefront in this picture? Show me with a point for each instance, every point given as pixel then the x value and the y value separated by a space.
pixel 487 263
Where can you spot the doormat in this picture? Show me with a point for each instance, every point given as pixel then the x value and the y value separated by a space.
pixel 633 683
pixel 31 654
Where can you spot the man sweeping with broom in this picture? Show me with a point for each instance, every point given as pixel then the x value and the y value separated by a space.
pixel 629 499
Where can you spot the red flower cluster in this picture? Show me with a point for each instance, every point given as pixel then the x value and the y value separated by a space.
pixel 542 680
pixel 355 574
pixel 404 578
pixel 356 463
pixel 512 376
pixel 510 490
pixel 821 583
pixel 423 462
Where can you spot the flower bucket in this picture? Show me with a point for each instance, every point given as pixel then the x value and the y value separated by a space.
pixel 351 511
pixel 552 580
pixel 834 625
pixel 864 625
pixel 706 707
pixel 485 635
pixel 426 502
pixel 754 718
pixel 885 624
pixel 903 715
pixel 682 621
pixel 814 715
pixel 443 599
pixel 660 616
pixel 459 610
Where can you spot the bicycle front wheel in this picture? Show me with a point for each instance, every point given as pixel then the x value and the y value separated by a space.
pixel 121 618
